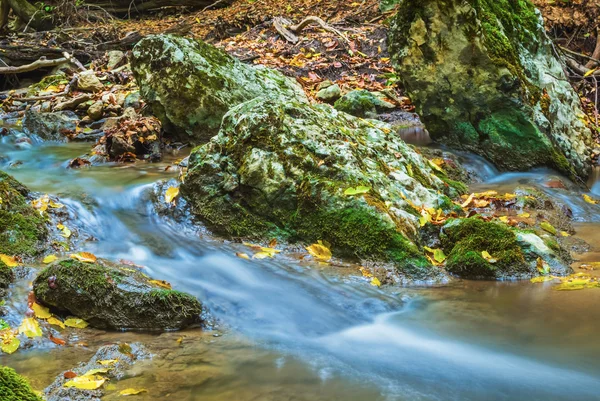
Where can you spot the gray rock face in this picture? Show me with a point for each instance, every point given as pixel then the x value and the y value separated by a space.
pixel 50 126
pixel 483 77
pixel 111 296
pixel 95 110
pixel 362 103
pixel 115 59
pixel 190 85
pixel 124 355
pixel 329 93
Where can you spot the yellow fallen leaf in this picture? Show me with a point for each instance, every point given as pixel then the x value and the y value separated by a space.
pixel 56 322
pixel 548 227
pixel 524 215
pixel 589 72
pixel 75 322
pixel 365 272
pixel 565 234
pixel 242 255
pixel 270 251
pixel 171 194
pixel 106 362
pixel 30 327
pixel 486 255
pixel 50 259
pixel 486 194
pixel 375 282
pixel 261 255
pixel 86 382
pixel 41 312
pixel 468 201
pixel 132 391
pixel 65 230
pixel 161 283
pixel 542 279
pixel 9 261
pixel 10 342
pixel 85 257
pixel 589 199
pixel 320 251
pixel 357 191
pixel 93 372
pixel 55 205
pixel 481 203
pixel 503 219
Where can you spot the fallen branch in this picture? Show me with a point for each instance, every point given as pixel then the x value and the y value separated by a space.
pixel 290 32
pixel 53 95
pixel 40 63
pixel 594 62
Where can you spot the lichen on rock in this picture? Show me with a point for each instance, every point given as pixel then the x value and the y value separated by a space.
pixel 282 168
pixel 112 296
pixel 190 85
pixel 483 78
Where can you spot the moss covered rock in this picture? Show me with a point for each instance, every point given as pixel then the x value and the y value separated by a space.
pixel 362 103
pixel 22 229
pixel 191 85
pixel 7 276
pixel 483 77
pixel 14 387
pixel 285 169
pixel 512 253
pixel 114 297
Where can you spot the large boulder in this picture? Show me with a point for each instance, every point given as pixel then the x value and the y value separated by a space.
pixel 112 296
pixel 23 230
pixel 191 85
pixel 283 168
pixel 52 126
pixel 14 387
pixel 484 77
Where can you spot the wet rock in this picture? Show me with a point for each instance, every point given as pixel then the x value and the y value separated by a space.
pixel 95 110
pixel 111 296
pixel 7 276
pixel 329 92
pixel 125 356
pixel 89 82
pixel 115 59
pixel 190 85
pixel 53 126
pixel 483 77
pixel 133 100
pixel 14 387
pixel 282 168
pixel 362 103
pixel 514 253
pixel 22 229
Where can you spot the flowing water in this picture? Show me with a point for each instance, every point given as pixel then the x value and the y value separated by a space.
pixel 291 330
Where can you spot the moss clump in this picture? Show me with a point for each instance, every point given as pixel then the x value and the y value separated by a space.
pixel 116 297
pixel 7 276
pixel 14 387
pixel 464 240
pixel 22 229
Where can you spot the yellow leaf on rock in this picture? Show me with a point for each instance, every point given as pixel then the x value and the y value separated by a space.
pixel 85 257
pixel 548 227
pixel 481 203
pixel 132 391
pixel 9 261
pixel 270 251
pixel 56 322
pixel 468 201
pixel 108 362
pixel 242 255
pixel 171 194
pixel 93 372
pixel 375 282
pixel 261 255
pixel 75 322
pixel 524 215
pixel 486 255
pixel 10 343
pixel 65 230
pixel 503 219
pixel 30 327
pixel 161 283
pixel 589 199
pixel 365 272
pixel 565 234
pixel 320 251
pixel 50 259
pixel 41 312
pixel 86 382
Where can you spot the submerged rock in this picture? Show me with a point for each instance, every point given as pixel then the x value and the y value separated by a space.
pixel 308 173
pixel 122 356
pixel 22 229
pixel 190 85
pixel 53 126
pixel 483 77
pixel 112 296
pixel 14 387
pixel 362 103
pixel 512 253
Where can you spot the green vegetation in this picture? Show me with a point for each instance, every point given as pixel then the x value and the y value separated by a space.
pixel 14 387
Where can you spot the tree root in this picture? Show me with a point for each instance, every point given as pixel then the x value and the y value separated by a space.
pixel 290 32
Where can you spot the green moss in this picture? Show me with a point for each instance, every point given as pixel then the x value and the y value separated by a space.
pixel 21 227
pixel 464 240
pixel 7 276
pixel 14 387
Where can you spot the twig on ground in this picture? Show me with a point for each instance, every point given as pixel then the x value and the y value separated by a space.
pixel 290 32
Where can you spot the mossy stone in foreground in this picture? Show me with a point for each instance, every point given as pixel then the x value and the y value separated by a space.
pixel 14 387
pixel 6 277
pixel 22 229
pixel 280 168
pixel 111 296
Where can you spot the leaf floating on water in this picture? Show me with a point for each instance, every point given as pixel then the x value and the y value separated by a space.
pixel 76 323
pixel 133 391
pixel 171 194
pixel 30 327
pixel 9 261
pixel 10 342
pixel 55 322
pixel 357 190
pixel 577 281
pixel 85 257
pixel 242 255
pixel 589 199
pixel 320 251
pixel 41 312
pixel 161 283
pixel 542 279
pixel 65 230
pixel 49 259
pixel 86 382
pixel 548 227
pixel 375 282
pixel 486 255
